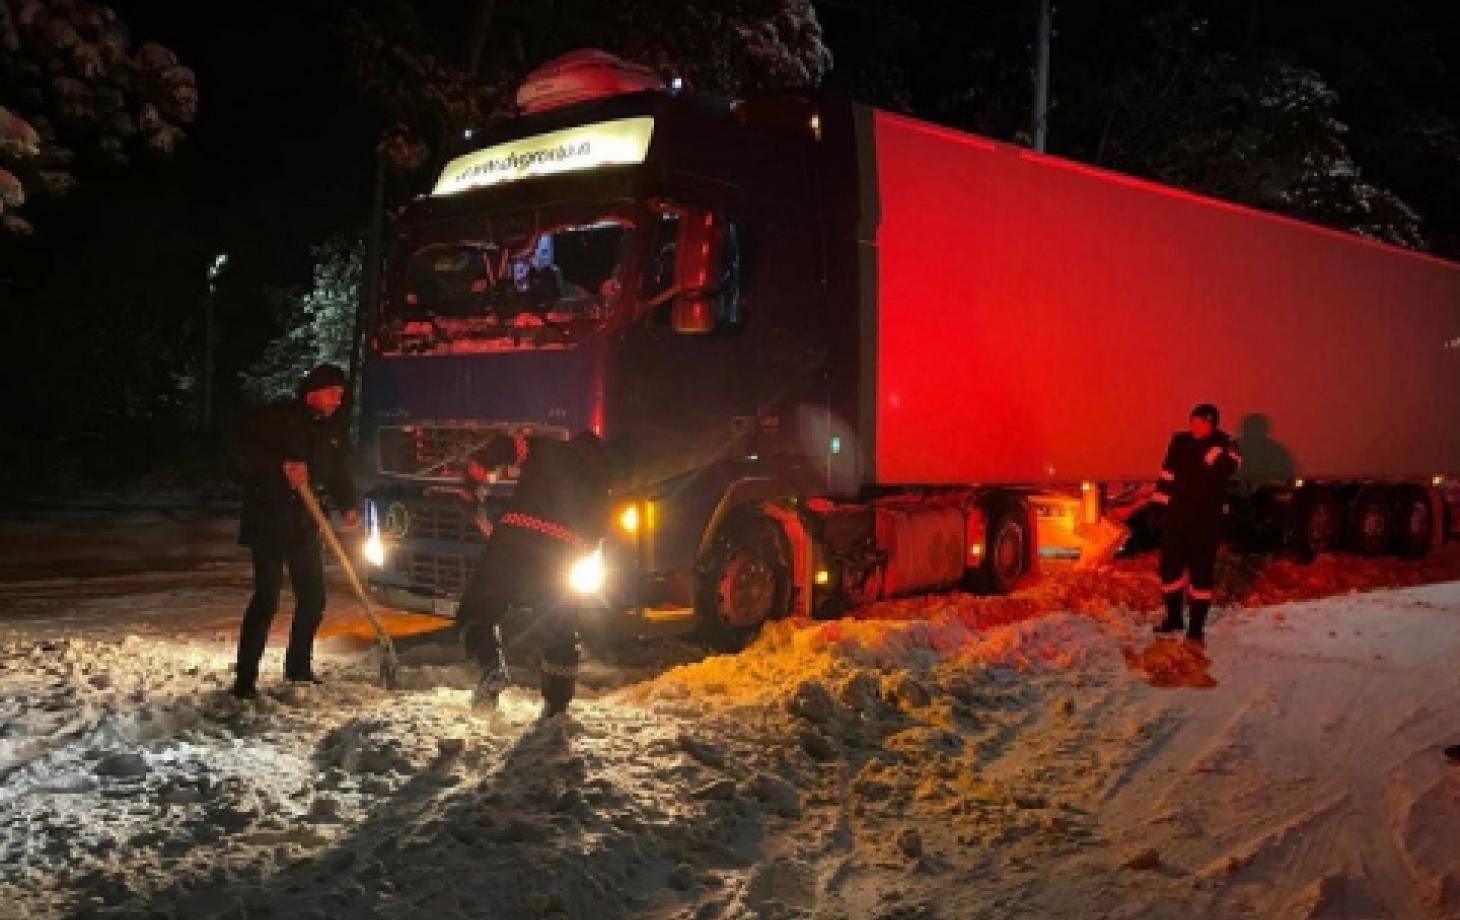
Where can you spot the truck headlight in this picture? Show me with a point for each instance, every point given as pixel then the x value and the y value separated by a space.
pixel 589 573
pixel 374 550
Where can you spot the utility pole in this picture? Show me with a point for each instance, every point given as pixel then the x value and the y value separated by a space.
pixel 1040 127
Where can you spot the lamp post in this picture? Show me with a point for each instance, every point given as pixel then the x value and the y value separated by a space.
pixel 220 261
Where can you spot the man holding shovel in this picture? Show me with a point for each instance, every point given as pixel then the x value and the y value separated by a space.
pixel 280 448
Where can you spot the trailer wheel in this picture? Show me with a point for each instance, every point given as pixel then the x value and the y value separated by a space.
pixel 1369 523
pixel 1262 517
pixel 744 580
pixel 1413 523
pixel 1317 523
pixel 1006 559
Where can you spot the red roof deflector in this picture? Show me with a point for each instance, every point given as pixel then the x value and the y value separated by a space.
pixel 583 76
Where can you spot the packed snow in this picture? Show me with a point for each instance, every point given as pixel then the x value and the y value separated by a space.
pixel 954 757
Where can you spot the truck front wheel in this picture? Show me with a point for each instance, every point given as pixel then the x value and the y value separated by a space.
pixel 744 580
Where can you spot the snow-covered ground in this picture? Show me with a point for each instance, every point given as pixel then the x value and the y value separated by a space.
pixel 954 758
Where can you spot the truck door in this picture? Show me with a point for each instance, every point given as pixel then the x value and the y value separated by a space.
pixel 785 308
pixel 687 394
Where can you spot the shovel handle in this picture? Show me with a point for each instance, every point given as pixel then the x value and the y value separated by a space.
pixel 306 495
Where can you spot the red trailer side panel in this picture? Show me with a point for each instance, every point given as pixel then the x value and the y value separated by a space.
pixel 1038 320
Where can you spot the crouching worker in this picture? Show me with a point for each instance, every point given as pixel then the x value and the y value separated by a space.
pixel 557 514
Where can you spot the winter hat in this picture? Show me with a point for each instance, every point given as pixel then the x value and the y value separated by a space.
pixel 322 377
pixel 1207 411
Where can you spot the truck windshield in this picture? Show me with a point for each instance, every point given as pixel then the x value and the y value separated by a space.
pixel 505 287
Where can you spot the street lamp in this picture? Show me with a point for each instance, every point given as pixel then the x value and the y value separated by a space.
pixel 220 261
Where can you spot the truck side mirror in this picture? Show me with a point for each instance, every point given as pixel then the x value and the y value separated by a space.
pixel 699 266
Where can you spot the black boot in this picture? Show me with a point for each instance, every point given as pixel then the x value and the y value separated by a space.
pixel 558 686
pixel 560 657
pixel 1196 629
pixel 559 683
pixel 244 690
pixel 1173 622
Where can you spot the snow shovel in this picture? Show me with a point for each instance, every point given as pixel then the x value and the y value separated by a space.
pixel 389 667
pixel 1102 540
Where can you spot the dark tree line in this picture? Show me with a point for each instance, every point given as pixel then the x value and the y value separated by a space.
pixel 1343 114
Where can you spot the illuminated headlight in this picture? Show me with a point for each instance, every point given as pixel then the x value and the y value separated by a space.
pixel 374 550
pixel 628 519
pixel 589 573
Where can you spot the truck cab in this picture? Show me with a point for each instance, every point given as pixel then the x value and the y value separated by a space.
pixel 647 265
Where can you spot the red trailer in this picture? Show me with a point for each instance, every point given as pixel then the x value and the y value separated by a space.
pixel 1053 322
pixel 1030 331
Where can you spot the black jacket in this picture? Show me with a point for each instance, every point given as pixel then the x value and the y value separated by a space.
pixel 561 483
pixel 268 435
pixel 1193 483
pixel 564 483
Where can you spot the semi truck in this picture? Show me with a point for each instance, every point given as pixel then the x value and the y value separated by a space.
pixel 850 355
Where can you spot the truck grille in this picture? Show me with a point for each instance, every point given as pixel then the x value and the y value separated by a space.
pixel 438 450
pixel 443 572
pixel 442 522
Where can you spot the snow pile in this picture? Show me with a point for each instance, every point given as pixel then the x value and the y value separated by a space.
pixel 133 784
pixel 129 754
pixel 943 649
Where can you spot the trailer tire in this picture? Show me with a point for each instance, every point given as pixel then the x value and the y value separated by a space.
pixel 742 581
pixel 1370 522
pixel 1413 523
pixel 1317 523
pixel 1261 521
pixel 1006 560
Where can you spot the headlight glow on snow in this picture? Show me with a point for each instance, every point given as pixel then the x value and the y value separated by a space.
pixel 375 549
pixel 589 573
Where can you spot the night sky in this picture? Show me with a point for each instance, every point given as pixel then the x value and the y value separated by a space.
pixel 281 154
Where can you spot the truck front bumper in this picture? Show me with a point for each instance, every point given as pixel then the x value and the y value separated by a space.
pixel 604 621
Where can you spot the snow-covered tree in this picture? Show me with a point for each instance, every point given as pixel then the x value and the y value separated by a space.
pixel 439 70
pixel 72 85
pixel 318 324
pixel 1306 167
pixel 1259 131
